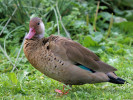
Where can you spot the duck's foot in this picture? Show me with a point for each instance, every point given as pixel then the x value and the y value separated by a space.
pixel 65 90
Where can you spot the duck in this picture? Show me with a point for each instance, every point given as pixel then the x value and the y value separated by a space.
pixel 65 60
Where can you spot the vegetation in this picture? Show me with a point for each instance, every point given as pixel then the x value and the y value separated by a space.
pixel 105 27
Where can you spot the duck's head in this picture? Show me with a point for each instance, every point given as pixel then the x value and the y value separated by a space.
pixel 36 28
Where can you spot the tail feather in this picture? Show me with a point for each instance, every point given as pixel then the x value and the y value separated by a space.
pixel 116 80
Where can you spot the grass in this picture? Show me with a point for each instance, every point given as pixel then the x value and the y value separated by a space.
pixel 27 83
pixel 116 48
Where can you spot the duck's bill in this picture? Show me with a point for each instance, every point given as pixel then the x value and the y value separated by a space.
pixel 31 33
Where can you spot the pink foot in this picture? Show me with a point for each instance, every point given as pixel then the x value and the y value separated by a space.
pixel 64 91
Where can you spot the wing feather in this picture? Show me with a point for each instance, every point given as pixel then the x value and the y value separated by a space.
pixel 79 54
pixel 74 52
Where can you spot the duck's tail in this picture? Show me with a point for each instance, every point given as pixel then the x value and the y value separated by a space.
pixel 114 79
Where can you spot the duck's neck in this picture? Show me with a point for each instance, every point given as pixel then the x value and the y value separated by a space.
pixel 39 36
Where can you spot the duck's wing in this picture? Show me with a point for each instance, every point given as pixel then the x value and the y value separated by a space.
pixel 79 54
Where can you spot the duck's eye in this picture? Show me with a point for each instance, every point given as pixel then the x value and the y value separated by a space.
pixel 38 23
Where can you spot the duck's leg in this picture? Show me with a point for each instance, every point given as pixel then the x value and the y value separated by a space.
pixel 65 90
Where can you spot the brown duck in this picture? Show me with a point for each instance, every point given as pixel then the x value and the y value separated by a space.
pixel 65 60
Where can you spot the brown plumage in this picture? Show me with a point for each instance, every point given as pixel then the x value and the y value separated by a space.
pixel 59 58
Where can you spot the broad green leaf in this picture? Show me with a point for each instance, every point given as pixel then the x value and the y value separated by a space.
pixel 89 42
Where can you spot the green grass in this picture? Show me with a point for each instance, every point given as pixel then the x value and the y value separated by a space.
pixel 26 83
pixel 29 84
